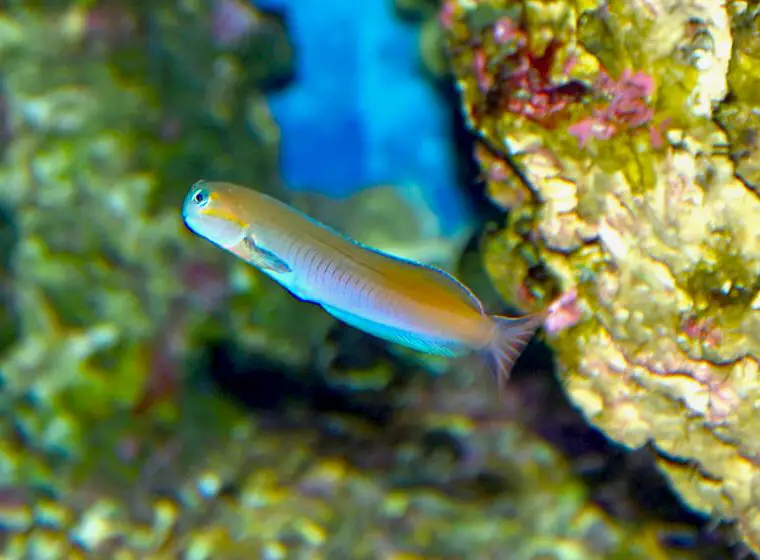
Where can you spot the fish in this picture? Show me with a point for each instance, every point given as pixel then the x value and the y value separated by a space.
pixel 401 301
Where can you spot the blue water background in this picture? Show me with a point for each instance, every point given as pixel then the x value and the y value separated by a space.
pixel 360 111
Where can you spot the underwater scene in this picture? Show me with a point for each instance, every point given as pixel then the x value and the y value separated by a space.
pixel 380 279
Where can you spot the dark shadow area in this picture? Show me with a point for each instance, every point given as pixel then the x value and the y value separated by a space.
pixel 273 39
pixel 468 172
pixel 261 384
pixel 9 239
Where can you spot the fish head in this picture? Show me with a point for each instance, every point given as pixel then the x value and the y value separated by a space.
pixel 210 214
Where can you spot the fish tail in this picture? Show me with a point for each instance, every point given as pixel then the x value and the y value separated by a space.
pixel 511 335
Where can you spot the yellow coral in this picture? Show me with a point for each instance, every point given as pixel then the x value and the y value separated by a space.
pixel 654 223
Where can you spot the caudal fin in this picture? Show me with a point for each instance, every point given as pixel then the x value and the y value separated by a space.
pixel 509 340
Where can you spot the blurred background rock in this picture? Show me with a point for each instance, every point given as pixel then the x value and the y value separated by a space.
pixel 162 400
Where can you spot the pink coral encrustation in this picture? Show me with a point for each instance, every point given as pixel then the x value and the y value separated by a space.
pixel 625 108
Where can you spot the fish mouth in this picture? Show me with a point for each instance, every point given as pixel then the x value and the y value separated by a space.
pixel 191 215
pixel 191 220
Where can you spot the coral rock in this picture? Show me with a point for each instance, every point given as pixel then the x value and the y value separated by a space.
pixel 631 175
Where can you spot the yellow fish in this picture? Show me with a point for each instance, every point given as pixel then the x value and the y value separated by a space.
pixel 395 299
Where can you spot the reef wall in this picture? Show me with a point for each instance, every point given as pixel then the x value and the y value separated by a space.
pixel 622 137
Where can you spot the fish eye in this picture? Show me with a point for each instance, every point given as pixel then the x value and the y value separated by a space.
pixel 200 198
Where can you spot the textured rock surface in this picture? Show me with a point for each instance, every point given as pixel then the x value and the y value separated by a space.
pixel 449 478
pixel 623 138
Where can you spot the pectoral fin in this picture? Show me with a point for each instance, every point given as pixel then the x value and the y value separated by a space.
pixel 263 259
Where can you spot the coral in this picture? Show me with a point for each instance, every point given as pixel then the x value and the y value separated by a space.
pixel 622 136
pixel 624 108
pixel 106 293
pixel 452 486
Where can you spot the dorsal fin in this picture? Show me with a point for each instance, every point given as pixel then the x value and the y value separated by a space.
pixel 406 270
pixel 430 274
pixel 447 281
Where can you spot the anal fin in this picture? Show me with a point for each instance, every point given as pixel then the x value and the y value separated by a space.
pixel 411 340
